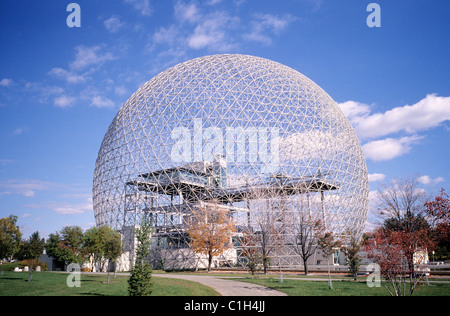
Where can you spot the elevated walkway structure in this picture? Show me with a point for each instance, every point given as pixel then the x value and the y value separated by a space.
pixel 168 197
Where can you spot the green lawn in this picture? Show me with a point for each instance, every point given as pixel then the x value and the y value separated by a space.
pixel 340 288
pixel 54 284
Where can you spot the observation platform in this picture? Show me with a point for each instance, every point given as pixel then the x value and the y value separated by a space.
pixel 194 185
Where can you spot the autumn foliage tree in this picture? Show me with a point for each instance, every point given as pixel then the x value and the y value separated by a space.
pixel 396 254
pixel 438 214
pixel 405 236
pixel 210 232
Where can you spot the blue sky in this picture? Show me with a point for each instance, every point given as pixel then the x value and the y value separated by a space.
pixel 60 87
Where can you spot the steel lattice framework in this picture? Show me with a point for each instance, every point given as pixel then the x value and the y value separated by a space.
pixel 232 132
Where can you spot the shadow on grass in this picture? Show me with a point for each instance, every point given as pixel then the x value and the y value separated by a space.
pixel 92 294
pixel 11 278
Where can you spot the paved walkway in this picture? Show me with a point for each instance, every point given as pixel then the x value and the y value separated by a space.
pixel 227 287
pixel 224 287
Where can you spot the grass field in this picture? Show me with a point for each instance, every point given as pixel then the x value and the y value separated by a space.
pixel 299 287
pixel 54 284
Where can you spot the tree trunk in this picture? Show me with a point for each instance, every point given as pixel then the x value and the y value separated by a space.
pixel 306 266
pixel 330 284
pixel 31 270
pixel 209 261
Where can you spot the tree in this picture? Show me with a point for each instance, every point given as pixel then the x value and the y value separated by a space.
pixel 438 213
pixel 102 245
pixel 72 237
pixel 395 252
pixel 328 244
pixel 401 199
pixel 32 249
pixel 94 245
pixel 55 250
pixel 112 248
pixel 140 281
pixel 351 252
pixel 66 246
pixel 10 237
pixel 402 202
pixel 269 226
pixel 251 251
pixel 210 232
pixel 305 241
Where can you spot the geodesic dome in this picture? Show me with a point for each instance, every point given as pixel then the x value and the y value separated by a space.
pixel 236 131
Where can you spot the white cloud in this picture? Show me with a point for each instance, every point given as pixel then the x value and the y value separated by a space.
pixel 69 209
pixel 68 76
pixel 355 110
pixel 64 101
pixel 263 24
pixel 424 180
pixel 187 12
pixel 166 35
pixel 310 144
pixel 121 91
pixel 87 60
pixel 428 180
pixel 389 148
pixel 196 29
pixel 101 102
pixel 18 131
pixel 5 82
pixel 274 23
pixel 4 162
pixel 203 26
pixel 373 177
pixel 427 113
pixel 83 204
pixel 26 188
pixel 90 56
pixel 315 4
pixel 65 208
pixel 212 32
pixel 27 193
pixel 143 6
pixel 113 24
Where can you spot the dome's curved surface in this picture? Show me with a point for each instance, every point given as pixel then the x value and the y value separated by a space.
pixel 271 131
